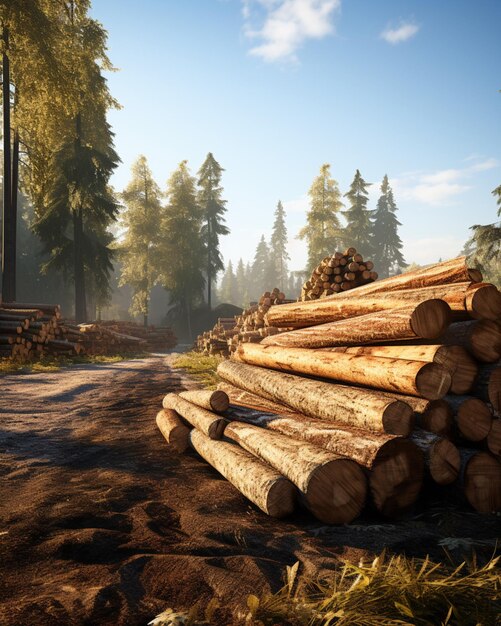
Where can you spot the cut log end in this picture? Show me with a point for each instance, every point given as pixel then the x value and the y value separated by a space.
pixel 281 498
pixel 430 319
pixel 484 303
pixel 398 418
pixel 475 275
pixel 172 428
pixel 396 477
pixel 462 367
pixel 219 401
pixel 433 381
pixel 474 419
pixel 494 438
pixel 485 341
pixel 438 418
pixel 336 492
pixel 482 483
pixel 445 462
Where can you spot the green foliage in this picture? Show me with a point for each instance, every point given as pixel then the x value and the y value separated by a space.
pixel 387 245
pixel 228 291
pixel 262 270
pixel 358 231
pixel 322 232
pixel 182 254
pixel 139 250
pixel 278 249
pixel 484 246
pixel 203 368
pixel 213 206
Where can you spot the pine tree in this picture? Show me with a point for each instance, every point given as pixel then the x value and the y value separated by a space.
pixel 278 248
pixel 387 245
pixel 139 250
pixel 183 251
pixel 260 269
pixel 323 230
pixel 213 206
pixel 484 246
pixel 242 289
pixel 228 289
pixel 358 231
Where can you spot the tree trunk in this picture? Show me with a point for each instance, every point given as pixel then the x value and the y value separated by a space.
pixel 145 320
pixel 426 320
pixel 332 487
pixel 172 428
pixel 257 481
pixel 427 380
pixel 370 410
pixel 396 466
pixel 78 241
pixel 209 267
pixel 205 421
pixel 9 216
pixel 455 359
pixel 442 458
pixel 216 401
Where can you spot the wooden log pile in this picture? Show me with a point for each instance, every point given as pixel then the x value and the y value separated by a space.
pixel 400 378
pixel 337 273
pixel 249 327
pixel 154 338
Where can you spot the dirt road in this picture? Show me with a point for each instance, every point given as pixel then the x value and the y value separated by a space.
pixel 100 524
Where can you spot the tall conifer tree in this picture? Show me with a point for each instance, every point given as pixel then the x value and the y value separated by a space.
pixel 278 247
pixel 260 269
pixel 241 285
pixel 323 230
pixel 387 245
pixel 213 206
pixel 182 251
pixel 139 251
pixel 228 290
pixel 358 231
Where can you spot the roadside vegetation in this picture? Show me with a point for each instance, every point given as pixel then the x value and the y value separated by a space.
pixel 54 363
pixel 201 367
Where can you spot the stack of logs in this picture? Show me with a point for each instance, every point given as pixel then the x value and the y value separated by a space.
pixel 230 332
pixel 337 273
pixel 387 389
pixel 29 331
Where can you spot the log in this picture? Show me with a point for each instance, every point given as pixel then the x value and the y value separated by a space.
pixel 481 337
pixel 441 456
pixel 258 482
pixel 427 380
pixel 455 359
pixel 11 328
pixel 172 428
pixel 479 301
pixel 396 466
pixel 435 416
pixel 426 320
pixel 473 417
pixel 362 408
pixel 216 401
pixel 333 488
pixel 480 478
pixel 488 385
pixel 494 438
pixel 205 421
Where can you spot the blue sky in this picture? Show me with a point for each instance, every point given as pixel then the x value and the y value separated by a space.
pixel 275 88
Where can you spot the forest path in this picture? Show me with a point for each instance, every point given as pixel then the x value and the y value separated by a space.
pixel 101 524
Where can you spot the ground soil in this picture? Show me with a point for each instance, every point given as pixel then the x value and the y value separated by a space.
pixel 101 524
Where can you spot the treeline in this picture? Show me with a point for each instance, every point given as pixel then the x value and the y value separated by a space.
pixel 373 232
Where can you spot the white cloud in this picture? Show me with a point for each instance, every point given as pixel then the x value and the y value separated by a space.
pixel 419 250
pixel 286 25
pixel 441 187
pixel 402 33
pixel 298 205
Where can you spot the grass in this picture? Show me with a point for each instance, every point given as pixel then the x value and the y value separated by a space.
pixel 389 591
pixel 54 363
pixel 201 367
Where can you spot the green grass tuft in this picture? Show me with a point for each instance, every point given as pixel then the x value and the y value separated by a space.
pixel 55 363
pixel 203 368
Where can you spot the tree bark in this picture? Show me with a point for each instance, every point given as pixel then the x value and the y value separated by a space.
pixel 370 410
pixel 203 420
pixel 441 456
pixel 216 401
pixel 455 359
pixel 9 216
pixel 78 241
pixel 427 380
pixel 257 481
pixel 333 488
pixel 172 428
pixel 426 320
pixel 395 466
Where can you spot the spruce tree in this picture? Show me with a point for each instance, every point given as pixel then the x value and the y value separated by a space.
pixel 260 269
pixel 358 231
pixel 213 206
pixel 242 288
pixel 183 251
pixel 139 250
pixel 387 245
pixel 228 289
pixel 484 246
pixel 323 229
pixel 278 248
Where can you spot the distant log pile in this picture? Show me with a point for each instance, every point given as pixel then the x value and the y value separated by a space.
pixel 338 273
pixel 30 331
pixel 378 378
pixel 230 332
